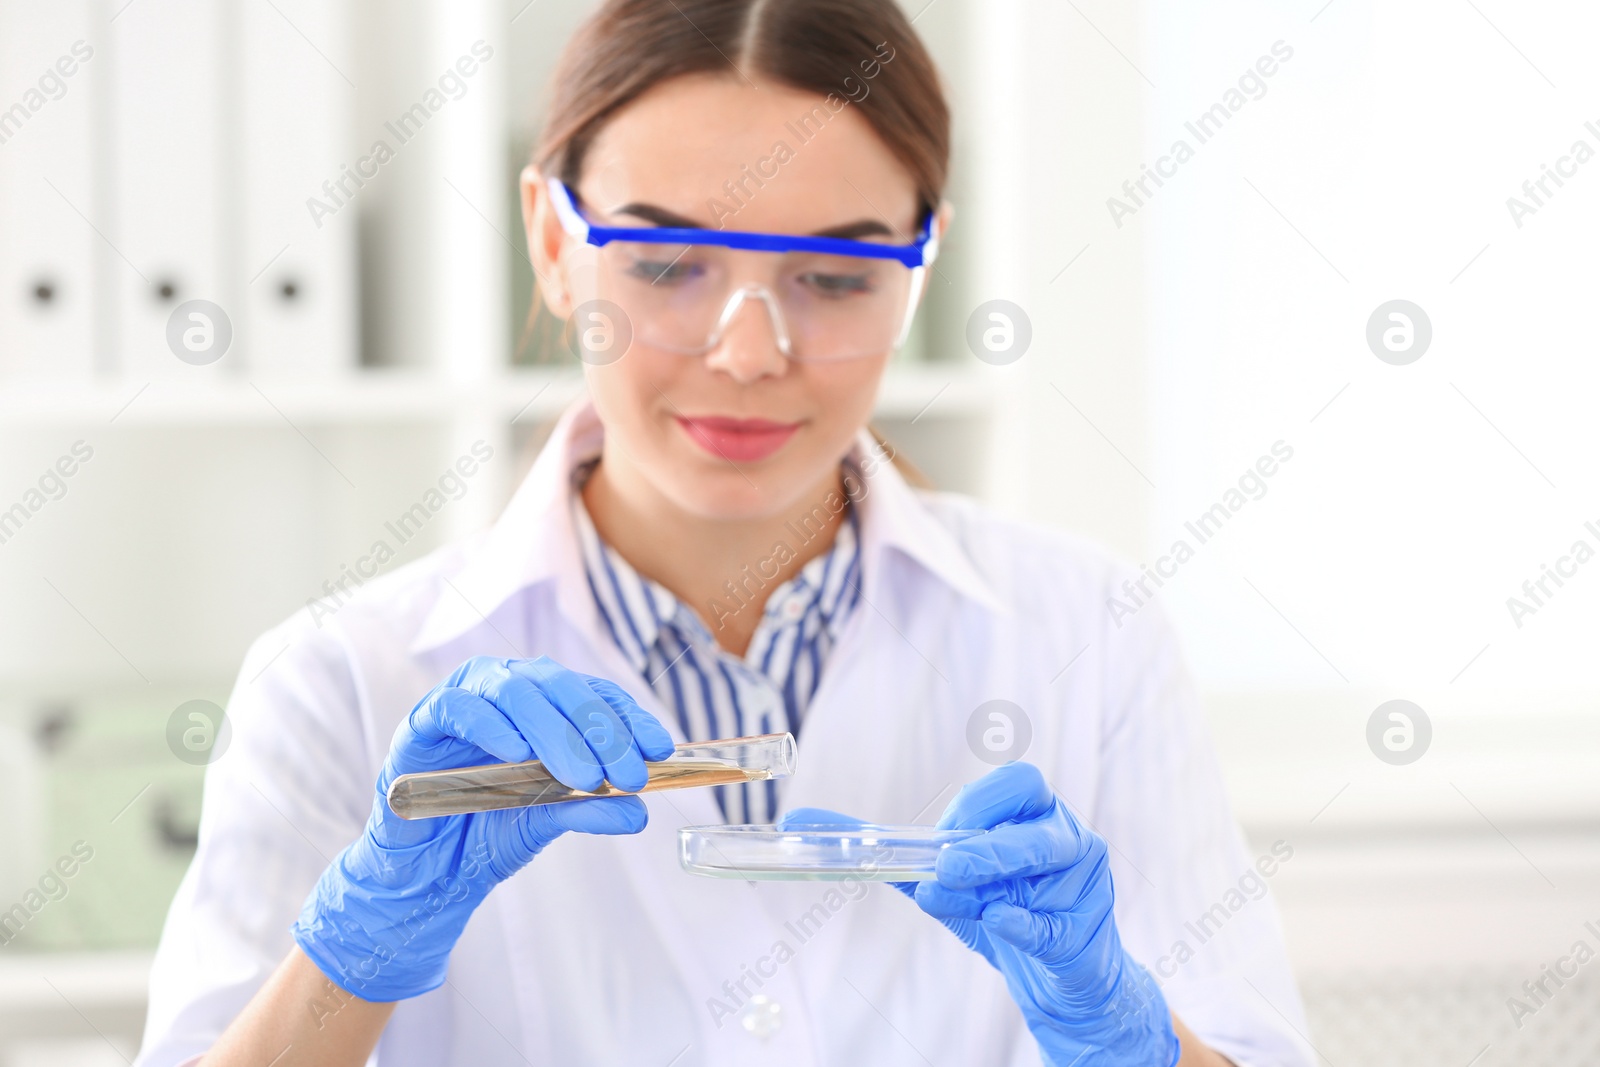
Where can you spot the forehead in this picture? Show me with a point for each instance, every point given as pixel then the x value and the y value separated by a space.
pixel 776 159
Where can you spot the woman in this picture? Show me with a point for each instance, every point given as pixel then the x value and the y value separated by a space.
pixel 713 545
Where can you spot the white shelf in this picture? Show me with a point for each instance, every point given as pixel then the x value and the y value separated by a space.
pixel 363 397
pixel 82 977
pixel 910 391
pixel 74 994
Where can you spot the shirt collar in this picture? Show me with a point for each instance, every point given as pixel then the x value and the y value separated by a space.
pixel 635 608
pixel 535 541
pixel 826 581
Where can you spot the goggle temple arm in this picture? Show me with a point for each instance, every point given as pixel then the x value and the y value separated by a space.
pixel 566 210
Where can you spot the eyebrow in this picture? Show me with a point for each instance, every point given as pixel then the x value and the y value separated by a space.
pixel 659 216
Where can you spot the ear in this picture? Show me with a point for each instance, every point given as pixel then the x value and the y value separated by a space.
pixel 545 241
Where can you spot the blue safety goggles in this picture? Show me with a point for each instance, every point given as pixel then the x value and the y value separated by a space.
pixel 919 253
pixel 680 290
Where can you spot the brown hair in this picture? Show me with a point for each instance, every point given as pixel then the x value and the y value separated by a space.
pixel 824 46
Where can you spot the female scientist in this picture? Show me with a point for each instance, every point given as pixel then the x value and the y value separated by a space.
pixel 735 205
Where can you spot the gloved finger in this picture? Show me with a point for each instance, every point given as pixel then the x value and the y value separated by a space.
pixel 1011 791
pixel 449 724
pixel 944 903
pixel 1018 850
pixel 1072 889
pixel 523 833
pixel 607 739
pixel 1046 935
pixel 606 815
pixel 554 739
pixel 818 817
pixel 652 738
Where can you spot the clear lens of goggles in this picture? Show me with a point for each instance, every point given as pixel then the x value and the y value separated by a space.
pixel 683 298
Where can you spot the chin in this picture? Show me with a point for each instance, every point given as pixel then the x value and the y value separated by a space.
pixel 750 492
pixel 727 496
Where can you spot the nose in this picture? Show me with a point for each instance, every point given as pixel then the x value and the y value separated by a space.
pixel 748 348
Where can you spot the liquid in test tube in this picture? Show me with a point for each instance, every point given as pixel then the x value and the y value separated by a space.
pixel 492 787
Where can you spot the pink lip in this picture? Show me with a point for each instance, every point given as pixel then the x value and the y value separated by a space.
pixel 738 440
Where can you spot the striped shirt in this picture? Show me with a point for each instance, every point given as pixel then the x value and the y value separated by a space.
pixel 713 692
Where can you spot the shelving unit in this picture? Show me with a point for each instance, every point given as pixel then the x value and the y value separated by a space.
pixel 911 391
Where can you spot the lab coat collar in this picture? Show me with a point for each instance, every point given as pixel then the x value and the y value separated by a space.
pixel 895 517
pixel 534 541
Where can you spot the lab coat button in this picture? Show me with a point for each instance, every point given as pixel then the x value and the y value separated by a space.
pixel 761 1016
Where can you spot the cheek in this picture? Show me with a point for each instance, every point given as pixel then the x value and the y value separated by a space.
pixel 842 394
pixel 627 395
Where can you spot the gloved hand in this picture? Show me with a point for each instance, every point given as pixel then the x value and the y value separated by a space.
pixel 384 916
pixel 1033 895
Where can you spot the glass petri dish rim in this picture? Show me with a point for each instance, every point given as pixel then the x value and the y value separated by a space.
pixel 813 851
pixel 830 832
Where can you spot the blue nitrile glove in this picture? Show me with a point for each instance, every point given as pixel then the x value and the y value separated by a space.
pixel 383 918
pixel 1034 896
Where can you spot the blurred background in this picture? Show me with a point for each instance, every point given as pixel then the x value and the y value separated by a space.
pixel 1355 238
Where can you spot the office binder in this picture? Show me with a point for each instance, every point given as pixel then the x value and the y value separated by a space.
pixel 171 79
pixel 48 193
pixel 301 173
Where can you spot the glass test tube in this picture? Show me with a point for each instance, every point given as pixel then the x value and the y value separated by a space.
pixel 491 787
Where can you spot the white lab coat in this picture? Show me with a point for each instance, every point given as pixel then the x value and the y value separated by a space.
pixel 602 950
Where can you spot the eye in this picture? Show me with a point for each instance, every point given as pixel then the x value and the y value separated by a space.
pixel 669 271
pixel 837 286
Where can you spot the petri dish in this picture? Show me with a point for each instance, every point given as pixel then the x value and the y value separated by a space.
pixel 822 853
